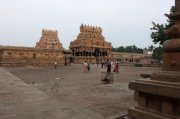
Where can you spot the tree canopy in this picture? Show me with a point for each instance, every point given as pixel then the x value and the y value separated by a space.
pixel 128 49
pixel 158 53
pixel 158 30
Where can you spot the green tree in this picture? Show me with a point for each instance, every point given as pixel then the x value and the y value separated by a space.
pixel 139 50
pixel 158 30
pixel 121 49
pixel 134 49
pixel 114 49
pixel 151 48
pixel 128 49
pixel 158 53
pixel 118 49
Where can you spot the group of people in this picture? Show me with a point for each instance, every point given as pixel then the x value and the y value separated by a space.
pixel 115 68
pixel 108 64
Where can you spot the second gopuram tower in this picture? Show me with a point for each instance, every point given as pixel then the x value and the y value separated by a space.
pixel 90 45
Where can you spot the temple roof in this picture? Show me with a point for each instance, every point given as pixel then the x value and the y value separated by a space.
pixel 49 40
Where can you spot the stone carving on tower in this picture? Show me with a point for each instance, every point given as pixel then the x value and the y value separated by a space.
pixel 49 40
pixel 90 45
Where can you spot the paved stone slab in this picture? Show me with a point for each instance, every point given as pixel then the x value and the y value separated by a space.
pixel 19 100
pixel 71 84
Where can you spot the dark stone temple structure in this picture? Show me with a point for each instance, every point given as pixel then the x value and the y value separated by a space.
pixel 158 97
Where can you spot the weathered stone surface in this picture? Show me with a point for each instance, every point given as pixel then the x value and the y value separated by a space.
pixel 85 89
pixel 171 76
pixel 140 113
pixel 141 100
pixel 167 107
pixel 171 61
pixel 177 7
pixel 22 101
pixel 163 88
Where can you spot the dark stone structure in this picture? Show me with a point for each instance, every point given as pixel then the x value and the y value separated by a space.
pixel 158 97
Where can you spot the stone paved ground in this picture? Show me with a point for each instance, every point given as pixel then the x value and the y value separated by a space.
pixel 19 100
pixel 69 84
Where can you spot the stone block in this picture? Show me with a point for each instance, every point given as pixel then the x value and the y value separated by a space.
pixel 167 107
pixel 141 100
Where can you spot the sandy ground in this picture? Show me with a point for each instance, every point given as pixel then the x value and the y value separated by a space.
pixel 71 84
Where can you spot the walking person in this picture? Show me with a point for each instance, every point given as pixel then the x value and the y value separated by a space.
pixel 108 67
pixel 108 72
pixel 85 66
pixel 55 65
pixel 88 67
pixel 102 64
pixel 116 68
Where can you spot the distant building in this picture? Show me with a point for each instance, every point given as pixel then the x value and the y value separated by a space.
pixel 90 46
pixel 47 51
pixel 143 58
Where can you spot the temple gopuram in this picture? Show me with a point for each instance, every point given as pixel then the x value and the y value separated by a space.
pixel 49 40
pixel 47 51
pixel 90 46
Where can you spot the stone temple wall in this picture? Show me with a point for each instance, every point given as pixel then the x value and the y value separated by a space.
pixel 47 51
pixel 30 57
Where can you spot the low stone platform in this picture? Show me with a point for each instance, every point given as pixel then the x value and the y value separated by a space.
pixel 19 100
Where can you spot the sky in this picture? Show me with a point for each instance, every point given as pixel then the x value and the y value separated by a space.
pixel 124 22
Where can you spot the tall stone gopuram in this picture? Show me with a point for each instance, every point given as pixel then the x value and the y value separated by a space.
pixel 90 45
pixel 49 40
pixel 158 97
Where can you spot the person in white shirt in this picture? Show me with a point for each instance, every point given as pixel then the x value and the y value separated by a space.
pixel 85 66
pixel 55 65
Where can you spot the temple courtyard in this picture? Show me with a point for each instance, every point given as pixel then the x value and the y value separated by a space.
pixel 66 92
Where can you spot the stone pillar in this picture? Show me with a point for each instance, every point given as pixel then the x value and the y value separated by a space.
pixel 159 96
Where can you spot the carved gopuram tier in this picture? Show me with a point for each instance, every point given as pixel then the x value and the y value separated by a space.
pixel 90 45
pixel 49 40
pixel 158 97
